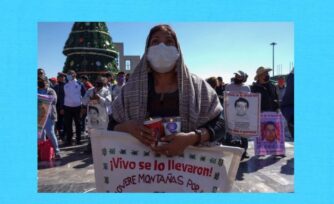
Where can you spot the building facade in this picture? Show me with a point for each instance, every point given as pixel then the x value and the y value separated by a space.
pixel 125 63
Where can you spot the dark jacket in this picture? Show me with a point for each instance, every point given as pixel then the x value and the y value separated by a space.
pixel 269 97
pixel 287 105
pixel 59 88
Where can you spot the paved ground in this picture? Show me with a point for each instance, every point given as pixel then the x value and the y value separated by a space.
pixel 75 172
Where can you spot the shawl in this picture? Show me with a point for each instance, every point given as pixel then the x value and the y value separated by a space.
pixel 198 101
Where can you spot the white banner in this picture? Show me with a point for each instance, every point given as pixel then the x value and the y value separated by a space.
pixel 242 113
pixel 123 164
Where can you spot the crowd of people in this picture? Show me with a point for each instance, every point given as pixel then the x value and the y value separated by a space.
pixel 160 86
pixel 274 98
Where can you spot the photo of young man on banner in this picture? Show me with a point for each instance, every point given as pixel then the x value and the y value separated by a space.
pixel 97 116
pixel 242 113
pixel 272 137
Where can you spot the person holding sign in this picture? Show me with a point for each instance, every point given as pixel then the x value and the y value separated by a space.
pixel 162 86
pixel 49 128
pixel 241 106
pixel 98 96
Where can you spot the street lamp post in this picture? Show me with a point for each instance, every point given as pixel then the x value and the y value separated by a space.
pixel 273 44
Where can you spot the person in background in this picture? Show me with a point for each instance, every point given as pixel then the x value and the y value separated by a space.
pixel 49 130
pixel 99 94
pixel 269 96
pixel 73 92
pixel 110 79
pixel 281 88
pixel 53 82
pixel 86 83
pixel 220 89
pixel 287 104
pixel 162 86
pixel 40 73
pixel 116 88
pixel 59 88
pixel 213 82
pixel 239 79
pixel 127 76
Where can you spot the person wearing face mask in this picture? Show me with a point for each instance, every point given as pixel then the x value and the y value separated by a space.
pixel 269 96
pixel 73 92
pixel 99 94
pixel 238 86
pixel 162 86
pixel 116 88
pixel 49 129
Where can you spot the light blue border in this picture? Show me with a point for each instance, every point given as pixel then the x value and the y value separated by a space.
pixel 313 58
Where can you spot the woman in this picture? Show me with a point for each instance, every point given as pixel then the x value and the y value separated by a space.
pixel 162 86
pixel 52 118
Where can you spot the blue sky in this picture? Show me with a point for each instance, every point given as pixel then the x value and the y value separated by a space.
pixel 209 49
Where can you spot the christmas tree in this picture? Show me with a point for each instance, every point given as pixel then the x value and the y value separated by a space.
pixel 89 50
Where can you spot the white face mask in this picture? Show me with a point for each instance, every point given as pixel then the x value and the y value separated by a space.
pixel 162 57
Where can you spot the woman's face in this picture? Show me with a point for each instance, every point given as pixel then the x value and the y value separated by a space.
pixel 162 37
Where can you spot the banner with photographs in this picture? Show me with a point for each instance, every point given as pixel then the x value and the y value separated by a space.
pixel 242 113
pixel 123 164
pixel 44 108
pixel 272 138
pixel 97 116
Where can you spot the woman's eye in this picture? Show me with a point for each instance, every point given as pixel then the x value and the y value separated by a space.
pixel 170 42
pixel 154 42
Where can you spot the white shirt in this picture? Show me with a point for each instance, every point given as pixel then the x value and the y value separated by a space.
pixel 105 97
pixel 72 90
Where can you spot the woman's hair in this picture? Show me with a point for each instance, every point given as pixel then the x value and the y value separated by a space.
pixel 161 27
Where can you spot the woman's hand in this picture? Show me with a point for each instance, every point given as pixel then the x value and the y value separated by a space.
pixel 177 143
pixel 138 130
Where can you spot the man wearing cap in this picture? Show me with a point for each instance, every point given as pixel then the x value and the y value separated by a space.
pixel 74 91
pixel 269 97
pixel 239 79
pixel 59 88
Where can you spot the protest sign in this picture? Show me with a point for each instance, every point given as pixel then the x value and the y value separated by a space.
pixel 44 108
pixel 97 116
pixel 272 138
pixel 242 113
pixel 123 164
